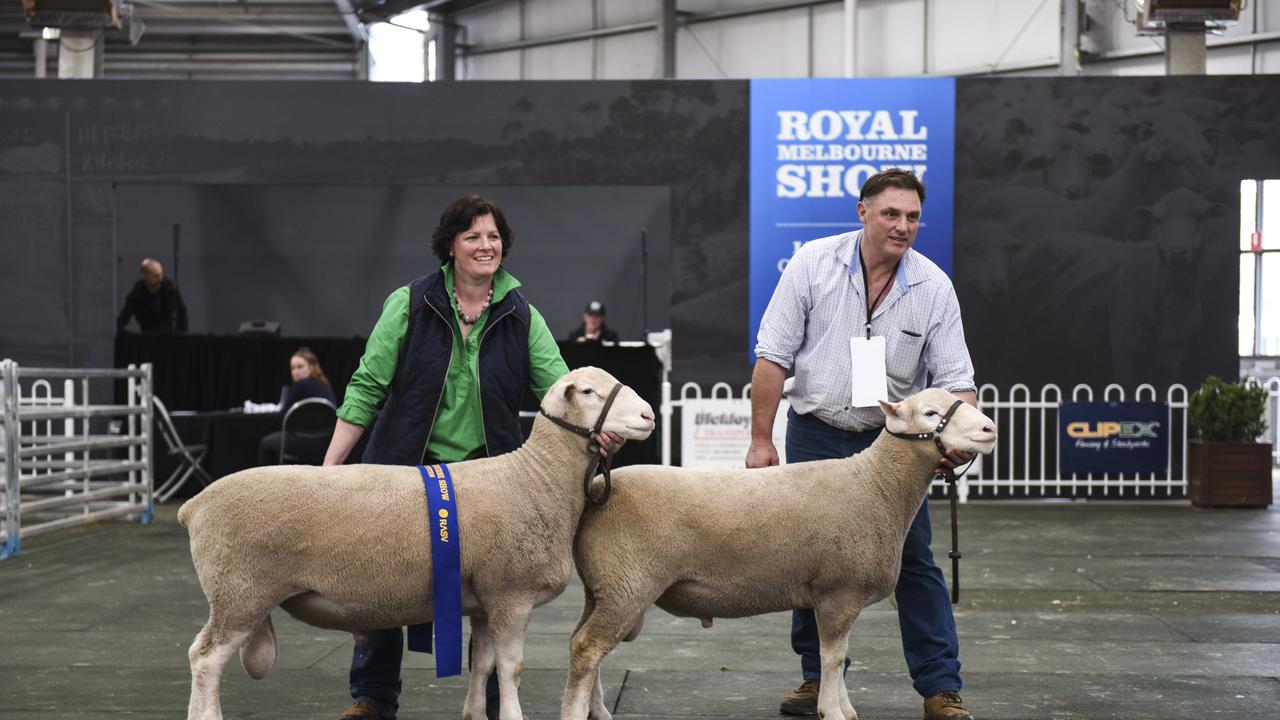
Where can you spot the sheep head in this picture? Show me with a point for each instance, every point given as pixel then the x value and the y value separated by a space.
pixel 579 397
pixel 968 430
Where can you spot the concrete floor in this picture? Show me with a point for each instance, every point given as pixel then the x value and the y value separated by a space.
pixel 1068 610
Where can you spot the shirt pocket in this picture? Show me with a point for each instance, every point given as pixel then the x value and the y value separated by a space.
pixel 902 355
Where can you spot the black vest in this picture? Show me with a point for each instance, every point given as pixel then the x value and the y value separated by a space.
pixel 405 424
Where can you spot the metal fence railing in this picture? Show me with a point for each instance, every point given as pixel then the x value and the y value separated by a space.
pixel 1025 463
pixel 66 460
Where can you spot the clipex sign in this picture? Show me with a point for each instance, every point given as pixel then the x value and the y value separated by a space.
pixel 815 141
pixel 1113 437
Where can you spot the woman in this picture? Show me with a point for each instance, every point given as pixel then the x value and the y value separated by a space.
pixel 452 355
pixel 309 381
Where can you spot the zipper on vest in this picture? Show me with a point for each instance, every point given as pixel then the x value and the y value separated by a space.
pixel 479 393
pixel 436 413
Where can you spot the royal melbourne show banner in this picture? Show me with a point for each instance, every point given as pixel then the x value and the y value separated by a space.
pixel 815 141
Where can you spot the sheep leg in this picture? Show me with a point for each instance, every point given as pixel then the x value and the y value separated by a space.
pixel 595 638
pixel 834 624
pixel 482 663
pixel 507 630
pixel 208 655
pixel 598 710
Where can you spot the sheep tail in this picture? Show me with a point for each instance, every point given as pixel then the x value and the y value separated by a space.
pixel 184 512
pixel 258 654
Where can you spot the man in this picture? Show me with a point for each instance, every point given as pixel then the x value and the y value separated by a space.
pixel 155 302
pixel 593 328
pixel 838 296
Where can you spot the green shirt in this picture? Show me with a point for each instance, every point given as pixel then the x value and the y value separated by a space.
pixel 459 428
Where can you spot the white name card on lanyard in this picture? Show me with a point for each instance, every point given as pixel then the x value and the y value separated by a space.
pixel 869 374
pixel 869 379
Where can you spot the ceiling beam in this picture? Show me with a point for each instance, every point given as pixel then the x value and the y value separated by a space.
pixel 359 33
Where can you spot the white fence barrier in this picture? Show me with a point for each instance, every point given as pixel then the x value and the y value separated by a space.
pixel 65 460
pixel 1024 463
pixel 1273 414
pixel 715 431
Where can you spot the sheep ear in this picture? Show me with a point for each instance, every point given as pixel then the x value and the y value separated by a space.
pixel 893 416
pixel 568 390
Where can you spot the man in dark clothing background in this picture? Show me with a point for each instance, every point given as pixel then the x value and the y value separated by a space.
pixel 155 302
pixel 593 328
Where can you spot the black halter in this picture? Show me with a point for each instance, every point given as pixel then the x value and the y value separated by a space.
pixel 936 435
pixel 592 447
pixel 949 476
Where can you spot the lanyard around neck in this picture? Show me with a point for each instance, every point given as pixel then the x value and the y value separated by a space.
pixel 866 292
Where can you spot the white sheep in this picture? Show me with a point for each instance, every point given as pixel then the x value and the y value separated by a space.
pixel 824 535
pixel 347 548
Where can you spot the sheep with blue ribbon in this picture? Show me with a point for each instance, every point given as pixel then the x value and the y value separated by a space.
pixel 300 538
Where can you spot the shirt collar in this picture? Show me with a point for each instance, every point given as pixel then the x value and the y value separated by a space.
pixel 503 281
pixel 849 253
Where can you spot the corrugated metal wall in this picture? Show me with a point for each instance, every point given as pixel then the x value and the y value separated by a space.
pixel 799 39
pixel 208 39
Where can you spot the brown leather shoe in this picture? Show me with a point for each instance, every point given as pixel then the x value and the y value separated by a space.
pixel 945 706
pixel 801 701
pixel 362 710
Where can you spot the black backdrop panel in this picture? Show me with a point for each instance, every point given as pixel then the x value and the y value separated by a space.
pixel 213 372
pixel 1097 224
pixel 79 141
pixel 320 259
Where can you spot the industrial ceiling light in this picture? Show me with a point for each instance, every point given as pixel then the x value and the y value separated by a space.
pixel 1156 16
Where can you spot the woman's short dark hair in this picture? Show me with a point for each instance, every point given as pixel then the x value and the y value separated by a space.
pixel 893 177
pixel 457 218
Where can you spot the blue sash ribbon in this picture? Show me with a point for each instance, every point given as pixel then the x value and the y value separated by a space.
pixel 446 574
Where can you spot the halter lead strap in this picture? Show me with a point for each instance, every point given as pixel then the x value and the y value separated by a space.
pixel 592 447
pixel 949 476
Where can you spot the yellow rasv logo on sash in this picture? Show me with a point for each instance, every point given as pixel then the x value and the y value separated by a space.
pixel 442 523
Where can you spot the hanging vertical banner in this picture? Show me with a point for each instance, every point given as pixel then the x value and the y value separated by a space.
pixel 815 141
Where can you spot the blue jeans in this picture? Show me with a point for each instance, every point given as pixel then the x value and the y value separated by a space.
pixel 929 641
pixel 375 673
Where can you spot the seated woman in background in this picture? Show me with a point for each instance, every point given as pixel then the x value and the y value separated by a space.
pixel 309 381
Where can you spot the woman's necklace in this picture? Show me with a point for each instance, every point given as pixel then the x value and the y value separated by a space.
pixel 471 319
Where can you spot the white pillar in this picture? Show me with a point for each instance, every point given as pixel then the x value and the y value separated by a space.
pixel 1184 50
pixel 850 38
pixel 1069 42
pixel 80 54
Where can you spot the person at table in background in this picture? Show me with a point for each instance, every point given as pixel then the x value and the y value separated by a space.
pixel 309 381
pixel 452 354
pixel 593 328
pixel 155 302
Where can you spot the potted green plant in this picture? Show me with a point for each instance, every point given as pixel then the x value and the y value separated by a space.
pixel 1227 465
